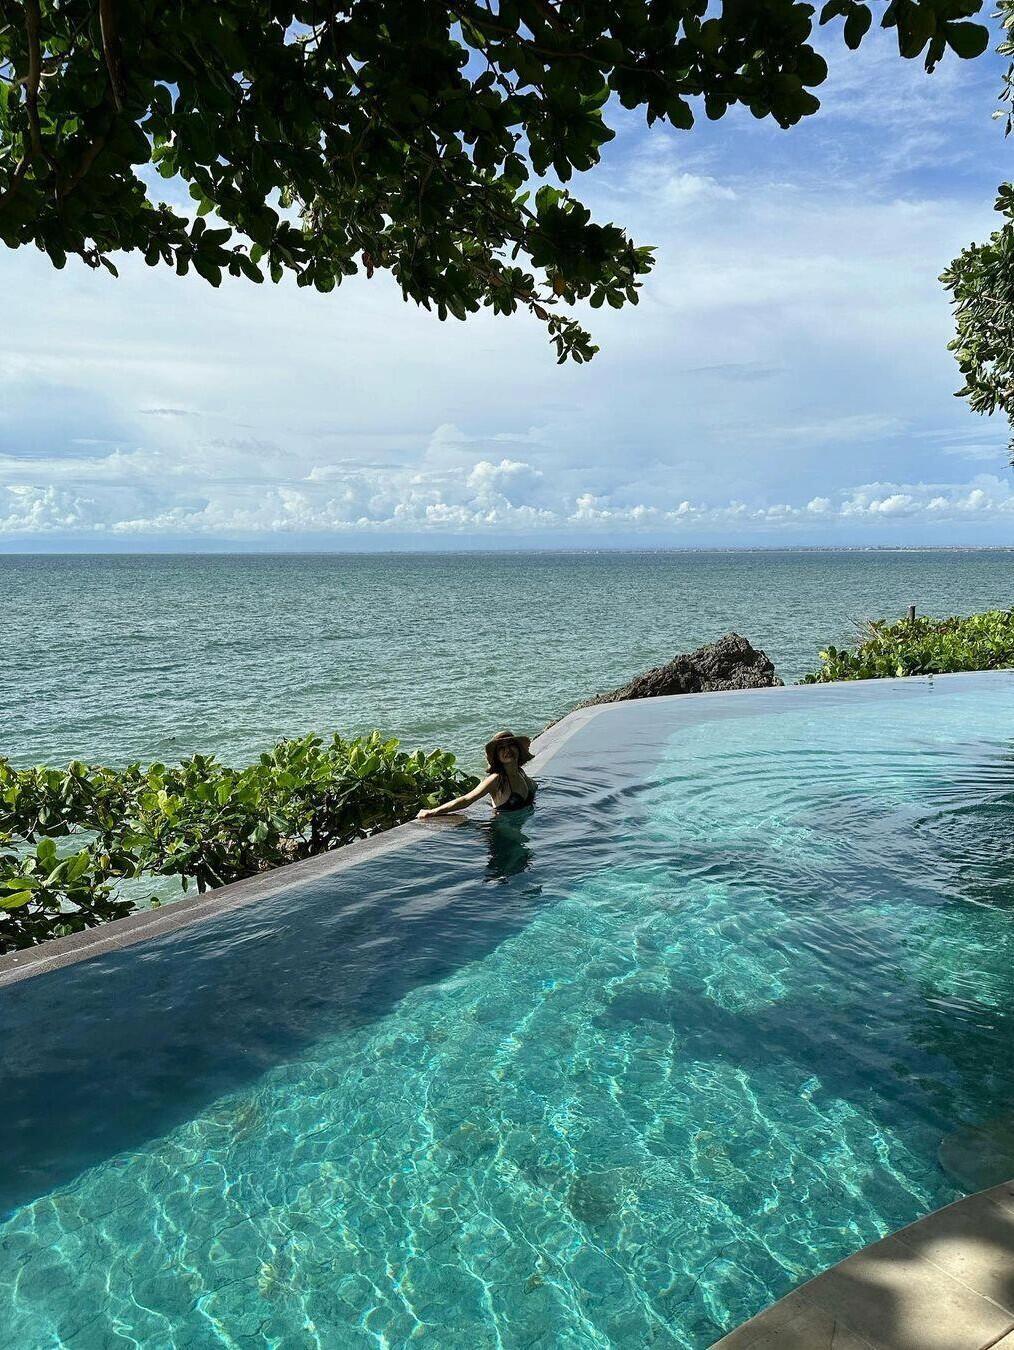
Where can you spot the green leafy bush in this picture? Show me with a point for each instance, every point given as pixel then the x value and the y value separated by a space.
pixel 199 820
pixel 43 894
pixel 922 647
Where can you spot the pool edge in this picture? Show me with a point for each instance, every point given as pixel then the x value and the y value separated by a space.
pixel 945 1280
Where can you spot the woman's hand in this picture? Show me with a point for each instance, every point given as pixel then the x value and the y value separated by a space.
pixel 424 813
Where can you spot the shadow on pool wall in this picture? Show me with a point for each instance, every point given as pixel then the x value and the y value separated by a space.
pixel 99 1056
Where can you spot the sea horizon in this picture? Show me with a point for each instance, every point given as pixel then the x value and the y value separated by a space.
pixel 500 551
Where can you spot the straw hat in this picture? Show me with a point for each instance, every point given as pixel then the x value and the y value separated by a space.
pixel 507 738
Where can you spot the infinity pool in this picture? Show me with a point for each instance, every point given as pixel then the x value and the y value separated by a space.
pixel 614 1074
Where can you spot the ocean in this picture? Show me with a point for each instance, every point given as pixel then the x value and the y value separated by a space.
pixel 112 658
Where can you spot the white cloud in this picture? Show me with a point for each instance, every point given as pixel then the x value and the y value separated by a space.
pixel 989 452
pixel 683 190
pixel 511 481
pixel 846 430
pixel 27 509
pixel 144 494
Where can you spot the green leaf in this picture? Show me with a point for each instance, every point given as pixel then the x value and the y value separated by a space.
pixel 18 884
pixel 210 271
pixel 15 900
pixel 968 40
pixel 916 25
pixel 857 25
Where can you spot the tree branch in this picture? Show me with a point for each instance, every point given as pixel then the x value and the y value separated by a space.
pixel 16 177
pixel 549 14
pixel 110 49
pixel 33 30
pixel 31 82
pixel 85 163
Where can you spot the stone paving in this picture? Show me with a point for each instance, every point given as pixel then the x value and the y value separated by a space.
pixel 944 1283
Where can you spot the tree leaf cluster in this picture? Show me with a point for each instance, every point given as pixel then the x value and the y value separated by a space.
pixel 403 136
pixel 923 647
pixel 68 838
pixel 981 285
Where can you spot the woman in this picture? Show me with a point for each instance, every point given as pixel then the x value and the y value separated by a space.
pixel 507 784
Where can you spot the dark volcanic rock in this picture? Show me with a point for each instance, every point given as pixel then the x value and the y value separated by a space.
pixel 729 663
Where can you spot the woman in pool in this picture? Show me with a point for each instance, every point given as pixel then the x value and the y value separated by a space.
pixel 507 784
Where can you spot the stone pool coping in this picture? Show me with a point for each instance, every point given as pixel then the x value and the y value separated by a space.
pixel 945 1282
pixel 175 914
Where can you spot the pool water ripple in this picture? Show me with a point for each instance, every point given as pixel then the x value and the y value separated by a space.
pixel 614 1075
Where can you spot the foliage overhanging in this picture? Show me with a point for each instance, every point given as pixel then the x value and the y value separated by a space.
pixel 397 135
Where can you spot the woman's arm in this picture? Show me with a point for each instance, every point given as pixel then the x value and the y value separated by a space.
pixel 478 791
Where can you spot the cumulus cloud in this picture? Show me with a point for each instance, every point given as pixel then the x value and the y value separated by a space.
pixel 683 189
pixel 143 493
pixel 511 481
pixel 28 509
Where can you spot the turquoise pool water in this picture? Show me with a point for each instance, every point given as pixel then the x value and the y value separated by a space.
pixel 616 1074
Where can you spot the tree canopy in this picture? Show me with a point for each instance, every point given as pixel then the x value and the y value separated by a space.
pixel 412 136
pixel 981 282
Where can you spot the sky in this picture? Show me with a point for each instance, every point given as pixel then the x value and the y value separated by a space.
pixel 784 381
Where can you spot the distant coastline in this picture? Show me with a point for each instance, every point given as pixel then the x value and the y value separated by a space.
pixel 576 550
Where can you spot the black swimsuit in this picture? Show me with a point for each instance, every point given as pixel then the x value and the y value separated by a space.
pixel 517 803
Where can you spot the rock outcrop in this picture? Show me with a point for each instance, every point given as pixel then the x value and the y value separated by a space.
pixel 730 663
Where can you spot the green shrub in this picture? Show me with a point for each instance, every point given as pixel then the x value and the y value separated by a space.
pixel 922 647
pixel 200 820
pixel 44 894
